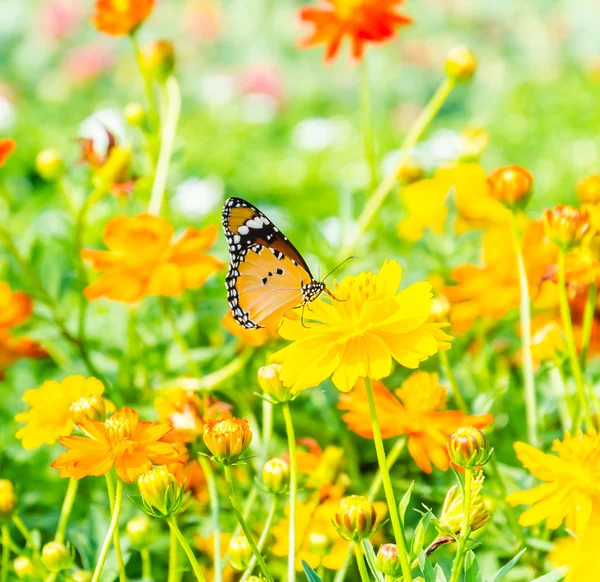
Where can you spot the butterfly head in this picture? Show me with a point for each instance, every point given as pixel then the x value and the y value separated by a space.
pixel 311 291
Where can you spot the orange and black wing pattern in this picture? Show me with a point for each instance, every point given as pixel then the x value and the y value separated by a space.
pixel 267 276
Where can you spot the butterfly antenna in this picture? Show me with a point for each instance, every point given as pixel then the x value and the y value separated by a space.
pixel 336 268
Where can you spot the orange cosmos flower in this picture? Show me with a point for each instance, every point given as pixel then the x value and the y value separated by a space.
pixel 143 260
pixel 416 410
pixel 15 307
pixel 362 21
pixel 120 17
pixel 13 349
pixel 122 442
pixel 7 146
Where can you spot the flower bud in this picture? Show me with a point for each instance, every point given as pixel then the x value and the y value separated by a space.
pixel 140 531
pixel 387 561
pixel 116 168
pixel 227 439
pixel 80 576
pixel 588 189
pixel 92 407
pixel 8 500
pixel 566 226
pixel 162 494
pixel 469 448
pixel 319 543
pixel 355 518
pixel 49 165
pixel 240 552
pixel 410 170
pixel 511 185
pixel 159 59
pixel 25 569
pixel 56 557
pixel 461 64
pixel 276 476
pixel 270 383
pixel 134 114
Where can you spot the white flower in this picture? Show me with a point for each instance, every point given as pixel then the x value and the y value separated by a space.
pixel 96 125
pixel 196 198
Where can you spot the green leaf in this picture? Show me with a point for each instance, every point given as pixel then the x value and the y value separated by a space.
pixel 439 574
pixel 553 576
pixel 471 568
pixel 403 505
pixel 311 575
pixel 419 535
pixel 427 569
pixel 370 556
pixel 506 568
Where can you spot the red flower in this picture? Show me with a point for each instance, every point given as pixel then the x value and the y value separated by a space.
pixel 7 146
pixel 363 21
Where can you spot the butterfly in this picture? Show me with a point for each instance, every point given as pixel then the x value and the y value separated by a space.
pixel 267 276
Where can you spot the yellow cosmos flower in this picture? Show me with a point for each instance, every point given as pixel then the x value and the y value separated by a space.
pixel 579 553
pixel 572 482
pixel 425 202
pixel 358 335
pixel 49 415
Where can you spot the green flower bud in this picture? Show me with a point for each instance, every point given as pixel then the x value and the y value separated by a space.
pixel 56 557
pixel 469 448
pixel 355 518
pixel 276 476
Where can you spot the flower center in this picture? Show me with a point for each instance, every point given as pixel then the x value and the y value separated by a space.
pixel 118 429
pixel 345 8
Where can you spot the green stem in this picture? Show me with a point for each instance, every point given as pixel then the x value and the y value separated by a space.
pixel 263 538
pixel 213 495
pixel 456 393
pixel 387 486
pixel 465 529
pixel 110 533
pixel 525 321
pixel 588 320
pixel 146 564
pixel 148 89
pixel 387 184
pixel 565 314
pixel 173 565
pixel 267 425
pixel 212 381
pixel 367 122
pixel 291 437
pixel 110 486
pixel 360 561
pixel 557 382
pixel 236 508
pixel 179 338
pixel 65 512
pixel 5 552
pixel 172 98
pixel 186 548
pixel 24 531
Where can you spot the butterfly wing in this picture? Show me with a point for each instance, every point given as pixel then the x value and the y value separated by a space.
pixel 267 275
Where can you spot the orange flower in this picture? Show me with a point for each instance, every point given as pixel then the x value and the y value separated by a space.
pixel 7 146
pixel 122 442
pixel 15 307
pixel 13 349
pixel 415 410
pixel 143 260
pixel 252 337
pixel 189 474
pixel 120 17
pixel 363 21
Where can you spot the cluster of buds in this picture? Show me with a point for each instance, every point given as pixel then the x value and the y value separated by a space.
pixel 355 518
pixel 162 495
pixel 56 557
pixel 450 521
pixel 239 552
pixel 276 476
pixel 469 448
pixel 566 226
pixel 511 185
pixel 269 380
pixel 461 64
pixel 227 439
pixel 8 499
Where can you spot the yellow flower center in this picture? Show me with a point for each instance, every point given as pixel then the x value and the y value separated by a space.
pixel 226 427
pixel 118 429
pixel 359 288
pixel 345 8
pixel 121 5
pixel 581 454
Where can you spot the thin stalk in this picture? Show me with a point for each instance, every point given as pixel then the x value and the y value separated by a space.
pixel 146 564
pixel 117 536
pixel 65 512
pixel 24 531
pixel 213 380
pixel 525 321
pixel 465 529
pixel 387 486
pixel 186 548
pixel 5 552
pixel 213 495
pixel 387 184
pixel 110 533
pixel 588 320
pixel 173 561
pixel 367 122
pixel 267 424
pixel 263 537
pixel 172 99
pixel 291 437
pixel 565 314
pixel 236 508
pixel 557 382
pixel 148 89
pixel 360 562
pixel 456 393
